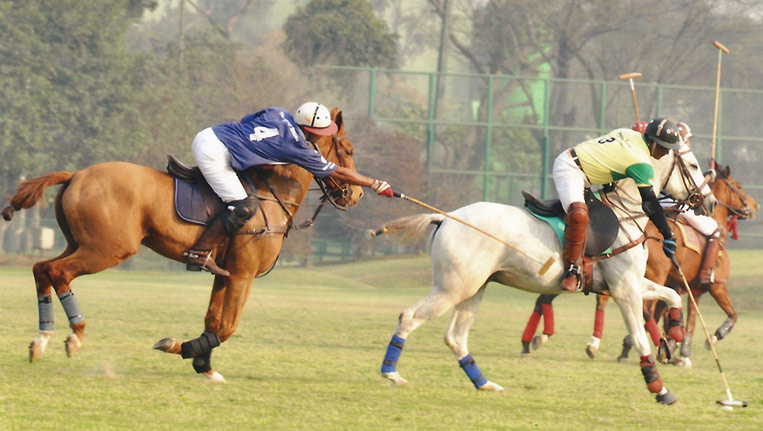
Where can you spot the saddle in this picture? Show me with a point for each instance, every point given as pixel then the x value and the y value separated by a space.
pixel 601 230
pixel 602 227
pixel 195 201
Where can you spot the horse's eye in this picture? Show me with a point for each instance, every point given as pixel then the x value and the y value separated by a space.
pixel 694 166
pixel 349 153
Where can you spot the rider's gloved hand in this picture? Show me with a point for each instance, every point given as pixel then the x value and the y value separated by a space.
pixel 382 188
pixel 669 247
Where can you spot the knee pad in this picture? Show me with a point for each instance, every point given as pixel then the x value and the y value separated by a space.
pixel 238 213
pixel 577 214
pixel 198 347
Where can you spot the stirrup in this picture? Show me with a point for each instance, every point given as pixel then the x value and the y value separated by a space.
pixel 572 270
pixel 194 262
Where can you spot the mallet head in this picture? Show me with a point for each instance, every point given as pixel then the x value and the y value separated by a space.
pixel 631 75
pixel 720 46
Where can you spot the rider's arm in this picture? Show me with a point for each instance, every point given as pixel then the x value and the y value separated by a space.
pixel 352 176
pixel 653 210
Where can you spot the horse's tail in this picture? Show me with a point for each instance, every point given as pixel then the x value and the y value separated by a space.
pixel 31 191
pixel 411 228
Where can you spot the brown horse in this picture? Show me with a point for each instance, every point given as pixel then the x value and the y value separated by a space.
pixel 732 201
pixel 106 211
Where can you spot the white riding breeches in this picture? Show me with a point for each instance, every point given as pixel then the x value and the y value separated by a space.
pixel 703 224
pixel 569 179
pixel 213 159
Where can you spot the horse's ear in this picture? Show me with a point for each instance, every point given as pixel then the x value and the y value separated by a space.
pixel 339 121
pixel 727 171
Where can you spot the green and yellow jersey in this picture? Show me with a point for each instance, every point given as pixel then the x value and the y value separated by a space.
pixel 622 153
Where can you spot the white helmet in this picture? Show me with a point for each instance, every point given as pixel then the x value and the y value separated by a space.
pixel 684 130
pixel 315 118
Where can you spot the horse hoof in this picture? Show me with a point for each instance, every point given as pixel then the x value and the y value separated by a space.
pixel 214 377
pixel 622 359
pixel 72 344
pixel 685 363
pixel 525 354
pixel 491 387
pixel 395 378
pixel 539 340
pixel 592 347
pixel 590 351
pixel 169 345
pixel 714 340
pixel 668 399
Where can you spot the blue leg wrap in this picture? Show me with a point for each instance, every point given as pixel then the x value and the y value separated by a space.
pixel 71 307
pixel 393 354
pixel 472 371
pixel 45 311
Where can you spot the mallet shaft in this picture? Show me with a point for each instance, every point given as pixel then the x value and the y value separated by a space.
pixel 545 264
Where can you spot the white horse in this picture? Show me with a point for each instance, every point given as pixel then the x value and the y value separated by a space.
pixel 464 261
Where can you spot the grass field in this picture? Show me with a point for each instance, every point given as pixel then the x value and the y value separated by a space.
pixel 308 351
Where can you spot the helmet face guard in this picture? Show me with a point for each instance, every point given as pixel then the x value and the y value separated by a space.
pixel 664 133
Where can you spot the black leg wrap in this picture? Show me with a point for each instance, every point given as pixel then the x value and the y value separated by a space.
pixel 195 348
pixel 650 373
pixel 203 363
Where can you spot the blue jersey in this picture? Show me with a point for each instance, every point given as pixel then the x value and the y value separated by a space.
pixel 270 136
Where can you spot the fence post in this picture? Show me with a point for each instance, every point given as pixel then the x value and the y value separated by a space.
pixel 371 92
pixel 430 124
pixel 488 136
pixel 546 140
pixel 603 108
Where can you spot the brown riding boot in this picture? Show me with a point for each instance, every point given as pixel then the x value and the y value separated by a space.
pixel 706 273
pixel 576 222
pixel 199 257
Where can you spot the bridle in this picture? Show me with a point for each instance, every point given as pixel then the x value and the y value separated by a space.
pixel 742 212
pixel 332 190
pixel 695 197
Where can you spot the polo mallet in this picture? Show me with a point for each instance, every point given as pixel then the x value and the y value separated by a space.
pixel 721 50
pixel 545 265
pixel 629 77
pixel 730 403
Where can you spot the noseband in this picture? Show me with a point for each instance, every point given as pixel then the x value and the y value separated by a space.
pixel 332 190
pixel 744 211
pixel 695 197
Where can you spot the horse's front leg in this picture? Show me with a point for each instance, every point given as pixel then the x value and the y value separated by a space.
pixel 629 299
pixel 229 294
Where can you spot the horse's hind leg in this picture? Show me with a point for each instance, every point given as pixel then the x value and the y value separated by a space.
pixel 720 293
pixel 44 306
pixel 59 273
pixel 456 338
pixel 434 305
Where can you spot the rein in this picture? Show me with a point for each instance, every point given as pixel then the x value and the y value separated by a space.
pixel 695 197
pixel 337 192
pixel 744 211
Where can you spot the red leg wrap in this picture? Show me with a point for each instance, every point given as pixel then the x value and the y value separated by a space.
pixel 676 329
pixel 532 325
pixel 548 319
pixel 654 331
pixel 598 324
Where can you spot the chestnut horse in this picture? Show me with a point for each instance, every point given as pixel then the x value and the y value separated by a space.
pixel 106 211
pixel 733 201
